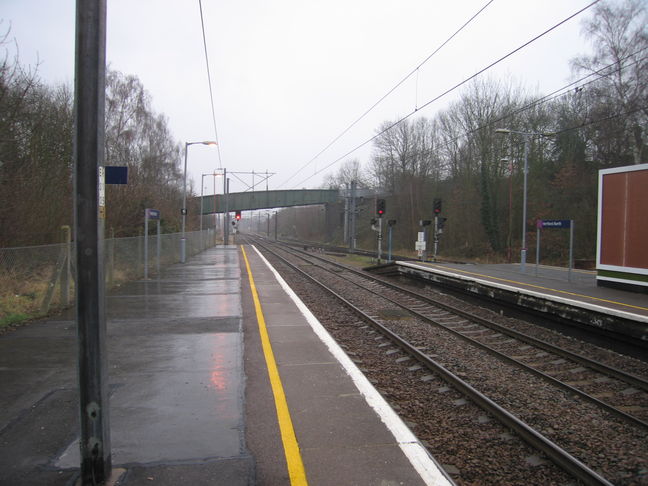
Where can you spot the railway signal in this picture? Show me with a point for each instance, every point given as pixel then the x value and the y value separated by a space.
pixel 380 207
pixel 437 206
pixel 238 216
pixel 441 224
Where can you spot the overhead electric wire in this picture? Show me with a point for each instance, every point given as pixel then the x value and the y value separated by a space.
pixel 446 92
pixel 554 95
pixel 396 86
pixel 593 122
pixel 211 92
pixel 602 73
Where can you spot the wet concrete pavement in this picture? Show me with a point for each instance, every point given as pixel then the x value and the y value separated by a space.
pixel 176 381
pixel 187 405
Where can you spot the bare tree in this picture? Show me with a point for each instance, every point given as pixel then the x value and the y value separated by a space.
pixel 620 40
pixel 349 171
pixel 139 138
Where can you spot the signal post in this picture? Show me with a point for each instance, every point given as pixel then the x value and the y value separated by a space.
pixel 380 210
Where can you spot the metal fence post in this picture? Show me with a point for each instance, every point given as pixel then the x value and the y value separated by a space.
pixel 159 248
pixel 146 220
pixel 111 258
pixel 65 275
pixel 571 250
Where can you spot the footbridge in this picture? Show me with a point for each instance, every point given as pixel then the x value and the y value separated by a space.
pixel 247 201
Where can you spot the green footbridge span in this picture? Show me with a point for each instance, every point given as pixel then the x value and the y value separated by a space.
pixel 247 201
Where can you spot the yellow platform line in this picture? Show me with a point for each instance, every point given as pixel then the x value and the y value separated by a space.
pixel 291 447
pixel 451 269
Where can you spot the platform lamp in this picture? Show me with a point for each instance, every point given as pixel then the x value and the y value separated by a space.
pixel 183 241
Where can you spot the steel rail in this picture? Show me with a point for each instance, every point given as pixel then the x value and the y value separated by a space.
pixel 593 364
pixel 553 451
pixel 550 379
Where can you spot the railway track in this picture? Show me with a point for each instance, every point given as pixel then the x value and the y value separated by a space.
pixel 409 327
pixel 617 391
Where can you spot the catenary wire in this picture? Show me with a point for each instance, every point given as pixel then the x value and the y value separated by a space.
pixel 456 86
pixel 602 73
pixel 211 92
pixel 599 120
pixel 550 97
pixel 394 88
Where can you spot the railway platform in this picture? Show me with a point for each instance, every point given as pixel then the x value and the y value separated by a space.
pixel 543 289
pixel 219 376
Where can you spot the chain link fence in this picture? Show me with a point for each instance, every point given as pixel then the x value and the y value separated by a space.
pixel 35 280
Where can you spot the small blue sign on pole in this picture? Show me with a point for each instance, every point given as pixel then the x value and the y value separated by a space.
pixel 555 223
pixel 153 213
pixel 116 174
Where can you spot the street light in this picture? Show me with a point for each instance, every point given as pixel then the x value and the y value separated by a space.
pixel 202 187
pixel 527 137
pixel 183 242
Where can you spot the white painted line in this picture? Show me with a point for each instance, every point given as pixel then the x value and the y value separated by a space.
pixel 425 465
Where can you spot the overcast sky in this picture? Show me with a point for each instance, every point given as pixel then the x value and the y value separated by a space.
pixel 290 75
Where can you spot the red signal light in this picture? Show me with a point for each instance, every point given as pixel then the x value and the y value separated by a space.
pixel 380 207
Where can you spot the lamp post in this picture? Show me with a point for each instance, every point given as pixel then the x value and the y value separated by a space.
pixel 183 241
pixel 202 187
pixel 527 137
pixel 275 225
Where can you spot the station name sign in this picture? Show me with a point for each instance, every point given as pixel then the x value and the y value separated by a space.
pixel 153 214
pixel 553 223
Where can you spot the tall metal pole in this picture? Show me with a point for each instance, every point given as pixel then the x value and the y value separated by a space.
pixel 379 239
pixel 352 230
pixel 89 216
pixel 202 185
pixel 158 248
pixel 215 213
pixel 436 237
pixel 146 258
pixel 227 222
pixel 571 250
pixel 183 241
pixel 523 251
pixel 347 214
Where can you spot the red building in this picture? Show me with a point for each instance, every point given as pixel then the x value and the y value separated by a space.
pixel 622 245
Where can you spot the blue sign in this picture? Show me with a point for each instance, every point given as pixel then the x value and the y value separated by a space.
pixel 554 223
pixel 153 213
pixel 116 174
